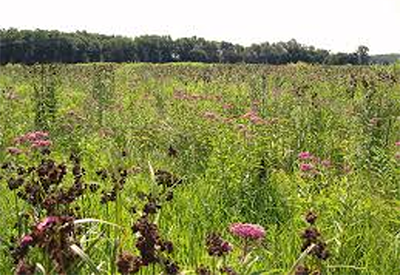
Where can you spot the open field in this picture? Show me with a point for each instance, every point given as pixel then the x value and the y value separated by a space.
pixel 100 160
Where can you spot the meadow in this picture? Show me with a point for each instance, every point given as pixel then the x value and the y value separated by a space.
pixel 151 169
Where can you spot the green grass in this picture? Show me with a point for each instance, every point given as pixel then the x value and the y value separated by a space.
pixel 233 170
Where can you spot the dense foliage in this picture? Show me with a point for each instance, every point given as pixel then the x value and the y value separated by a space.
pixel 385 59
pixel 199 169
pixel 41 46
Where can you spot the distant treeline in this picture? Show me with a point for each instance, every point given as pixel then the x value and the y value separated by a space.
pixel 42 46
pixel 385 58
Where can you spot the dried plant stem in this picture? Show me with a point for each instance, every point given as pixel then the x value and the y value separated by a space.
pixel 302 256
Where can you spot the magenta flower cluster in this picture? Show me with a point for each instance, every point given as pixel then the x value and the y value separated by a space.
pixel 309 163
pixel 38 139
pixel 304 155
pixel 47 222
pixel 247 231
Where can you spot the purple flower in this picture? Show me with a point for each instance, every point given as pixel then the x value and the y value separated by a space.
pixel 26 240
pixel 304 155
pixel 46 223
pixel 41 143
pixel 247 231
pixel 225 246
pixel 305 167
pixel 14 150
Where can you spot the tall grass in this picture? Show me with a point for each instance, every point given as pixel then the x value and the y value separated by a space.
pixel 232 133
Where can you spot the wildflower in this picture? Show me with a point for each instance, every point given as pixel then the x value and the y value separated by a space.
pixel 320 250
pixel 31 136
pixel 128 263
pixel 46 223
pixel 15 183
pixel 167 246
pixel 172 152
pixel 149 240
pixel 311 217
pixel 304 155
pixel 305 167
pixel 397 143
pixel 311 234
pixel 254 117
pixel 166 178
pixel 326 163
pixel 346 169
pixel 227 106
pixel 41 134
pixel 315 159
pixel 312 239
pixel 210 115
pixel 26 241
pixel 35 136
pixel 25 269
pixel 38 139
pixel 228 120
pixel 249 114
pixel 247 231
pixel 302 270
pixel 397 156
pixel 257 120
pixel 41 143
pixel 216 246
pixel 171 268
pixel 19 140
pixel 14 150
pixel 202 270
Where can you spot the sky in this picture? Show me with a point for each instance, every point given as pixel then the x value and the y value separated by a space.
pixel 336 25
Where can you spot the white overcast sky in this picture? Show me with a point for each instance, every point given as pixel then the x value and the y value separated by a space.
pixel 337 25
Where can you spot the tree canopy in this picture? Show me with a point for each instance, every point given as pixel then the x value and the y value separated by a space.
pixel 42 46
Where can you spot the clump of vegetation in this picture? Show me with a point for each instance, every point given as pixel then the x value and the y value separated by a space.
pixel 199 169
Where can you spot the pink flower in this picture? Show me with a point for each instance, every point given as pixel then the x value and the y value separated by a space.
pixel 26 240
pixel 247 231
pixel 41 143
pixel 14 150
pixel 227 106
pixel 346 169
pixel 254 117
pixel 31 136
pixel 46 223
pixel 304 155
pixel 315 159
pixel 397 143
pixel 228 120
pixel 326 163
pixel 210 115
pixel 41 134
pixel 305 167
pixel 257 120
pixel 225 246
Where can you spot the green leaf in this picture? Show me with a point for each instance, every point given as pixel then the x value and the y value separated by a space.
pixel 78 251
